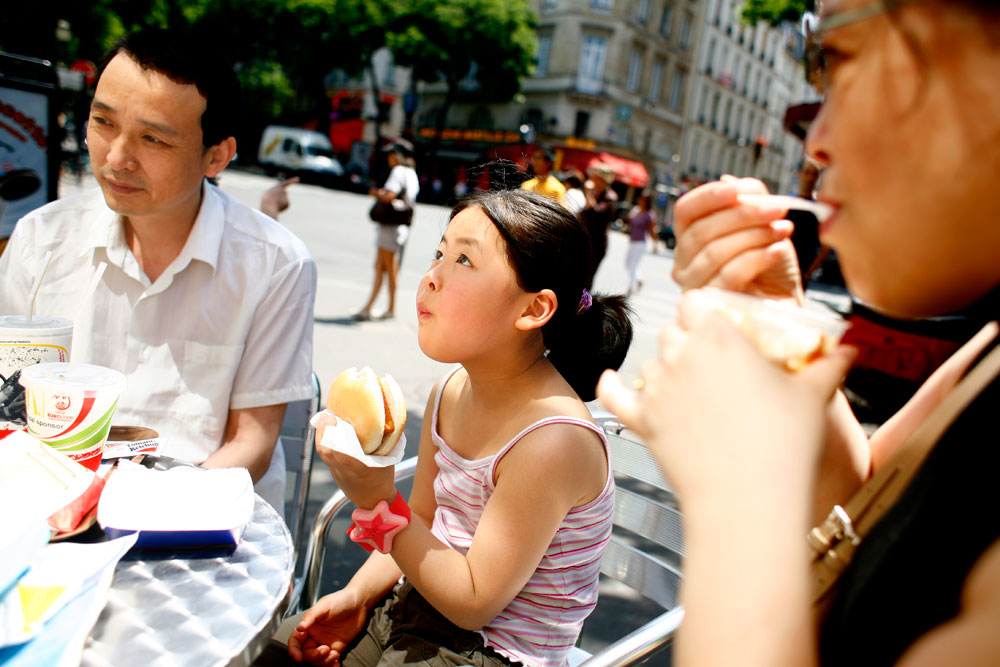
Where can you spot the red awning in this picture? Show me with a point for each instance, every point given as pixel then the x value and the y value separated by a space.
pixel 627 171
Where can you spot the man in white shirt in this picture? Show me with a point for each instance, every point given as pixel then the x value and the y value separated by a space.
pixel 206 304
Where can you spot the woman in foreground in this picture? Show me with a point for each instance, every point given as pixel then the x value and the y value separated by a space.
pixel 909 138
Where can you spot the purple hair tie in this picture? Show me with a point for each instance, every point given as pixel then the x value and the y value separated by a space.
pixel 586 301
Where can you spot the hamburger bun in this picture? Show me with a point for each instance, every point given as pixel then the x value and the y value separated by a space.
pixel 374 406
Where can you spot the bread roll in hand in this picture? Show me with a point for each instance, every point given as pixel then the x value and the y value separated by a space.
pixel 373 405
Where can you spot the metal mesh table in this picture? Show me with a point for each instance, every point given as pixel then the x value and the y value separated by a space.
pixel 193 611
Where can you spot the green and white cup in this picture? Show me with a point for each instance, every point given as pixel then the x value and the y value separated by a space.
pixel 70 407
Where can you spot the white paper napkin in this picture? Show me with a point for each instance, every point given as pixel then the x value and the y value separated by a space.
pixel 342 438
pixel 179 499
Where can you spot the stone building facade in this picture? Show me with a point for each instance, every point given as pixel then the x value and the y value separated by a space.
pixel 746 78
pixel 673 92
pixel 613 82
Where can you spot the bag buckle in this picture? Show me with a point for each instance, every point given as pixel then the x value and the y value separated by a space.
pixel 836 527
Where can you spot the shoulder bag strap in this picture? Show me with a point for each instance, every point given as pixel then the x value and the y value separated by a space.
pixel 834 541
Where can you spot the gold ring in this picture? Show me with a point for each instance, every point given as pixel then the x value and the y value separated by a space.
pixel 638 384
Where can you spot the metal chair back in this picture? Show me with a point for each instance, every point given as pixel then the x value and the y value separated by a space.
pixel 298 440
pixel 645 551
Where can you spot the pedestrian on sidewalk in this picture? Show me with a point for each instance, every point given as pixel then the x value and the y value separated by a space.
pixel 641 230
pixel 544 182
pixel 400 191
pixel 599 211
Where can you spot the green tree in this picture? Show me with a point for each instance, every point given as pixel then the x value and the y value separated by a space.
pixel 775 12
pixel 441 39
pixel 282 49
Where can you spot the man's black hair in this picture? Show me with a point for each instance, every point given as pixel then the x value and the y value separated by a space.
pixel 188 58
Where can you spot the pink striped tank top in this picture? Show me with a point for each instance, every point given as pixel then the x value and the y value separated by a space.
pixel 542 623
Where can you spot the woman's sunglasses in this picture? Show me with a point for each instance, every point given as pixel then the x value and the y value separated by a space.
pixel 816 64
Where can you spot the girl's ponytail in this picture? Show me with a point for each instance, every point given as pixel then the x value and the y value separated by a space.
pixel 583 345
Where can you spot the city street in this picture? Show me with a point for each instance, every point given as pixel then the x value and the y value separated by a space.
pixel 336 228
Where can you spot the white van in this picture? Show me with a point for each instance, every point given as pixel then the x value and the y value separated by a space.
pixel 297 151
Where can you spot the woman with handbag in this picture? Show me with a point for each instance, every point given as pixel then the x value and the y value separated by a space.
pixel 392 213
pixel 909 139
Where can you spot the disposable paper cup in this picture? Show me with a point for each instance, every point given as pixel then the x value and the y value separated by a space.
pixel 70 407
pixel 784 333
pixel 25 342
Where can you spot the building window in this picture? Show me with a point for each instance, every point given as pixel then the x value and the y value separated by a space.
pixel 654 85
pixel 542 55
pixel 702 103
pixel 549 4
pixel 643 14
pixel 582 124
pixel 634 70
pixel 593 53
pixel 686 32
pixel 710 57
pixel 677 90
pixel 694 155
pixel 665 21
pixel 602 5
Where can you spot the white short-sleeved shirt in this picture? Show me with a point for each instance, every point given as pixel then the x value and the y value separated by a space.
pixel 402 176
pixel 228 325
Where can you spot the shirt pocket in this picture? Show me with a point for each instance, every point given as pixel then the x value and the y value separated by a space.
pixel 209 371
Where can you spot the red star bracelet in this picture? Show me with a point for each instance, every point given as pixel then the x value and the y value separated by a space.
pixel 375 528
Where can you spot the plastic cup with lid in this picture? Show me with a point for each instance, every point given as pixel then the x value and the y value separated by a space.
pixel 25 342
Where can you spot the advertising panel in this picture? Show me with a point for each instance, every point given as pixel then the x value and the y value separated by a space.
pixel 28 168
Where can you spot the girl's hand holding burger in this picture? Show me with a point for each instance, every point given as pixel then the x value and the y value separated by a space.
pixel 376 410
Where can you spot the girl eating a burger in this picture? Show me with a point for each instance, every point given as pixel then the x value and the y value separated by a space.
pixel 495 558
